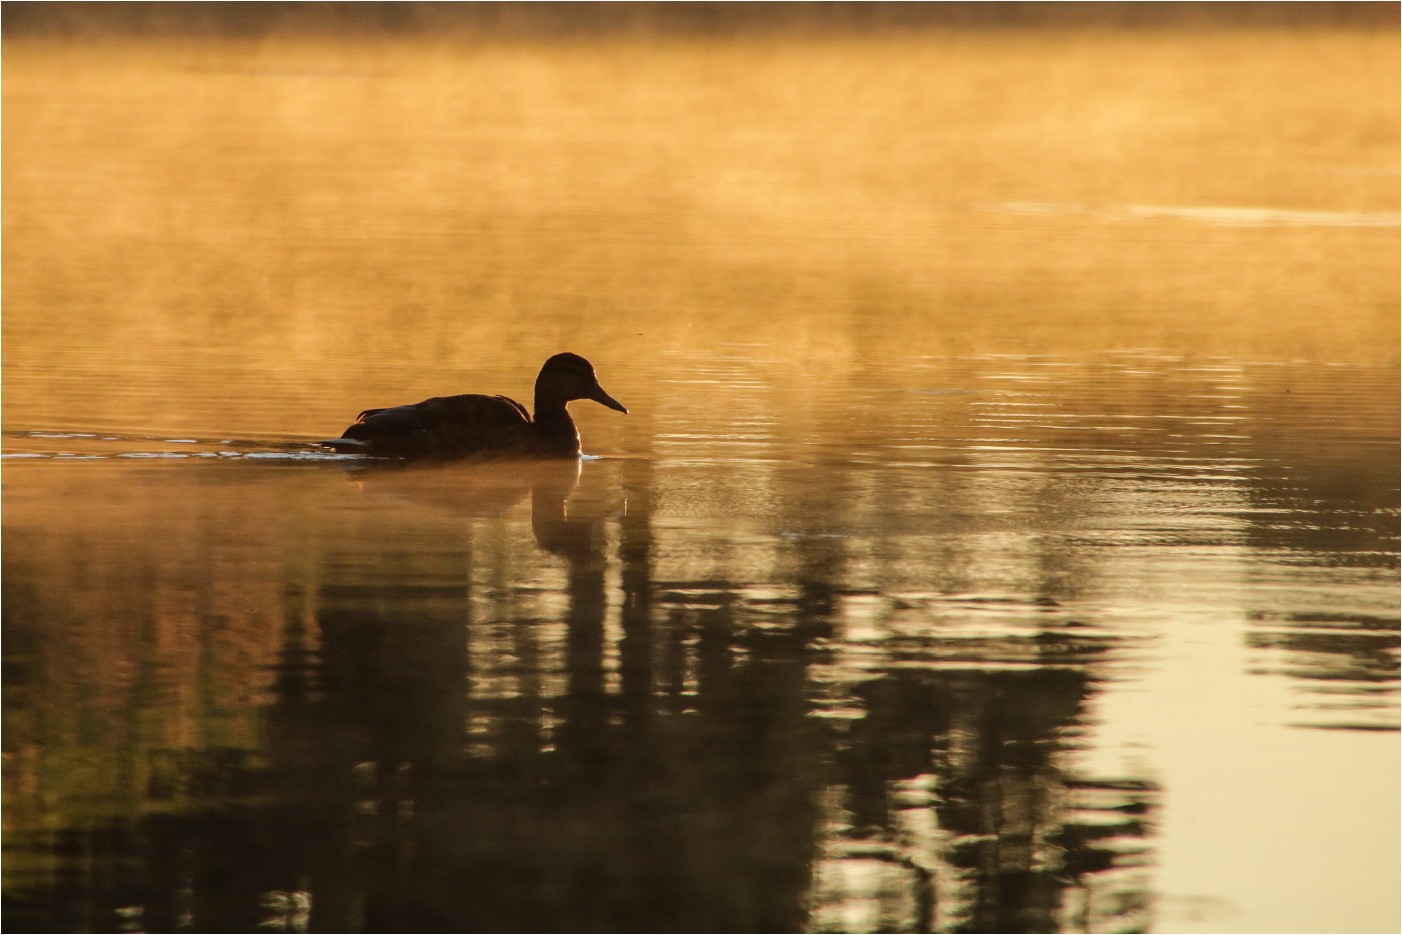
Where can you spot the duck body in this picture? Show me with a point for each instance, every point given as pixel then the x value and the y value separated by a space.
pixel 478 426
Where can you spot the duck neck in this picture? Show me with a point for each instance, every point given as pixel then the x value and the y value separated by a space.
pixel 554 425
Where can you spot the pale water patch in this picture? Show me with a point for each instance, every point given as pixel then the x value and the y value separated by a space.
pixel 1216 215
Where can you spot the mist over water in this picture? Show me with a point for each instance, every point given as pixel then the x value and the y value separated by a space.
pixel 1003 535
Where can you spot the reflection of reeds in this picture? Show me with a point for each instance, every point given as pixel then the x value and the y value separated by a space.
pixel 271 236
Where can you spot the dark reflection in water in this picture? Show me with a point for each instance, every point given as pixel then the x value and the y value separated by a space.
pixel 444 740
pixel 1024 841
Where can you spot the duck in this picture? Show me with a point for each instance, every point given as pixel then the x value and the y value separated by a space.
pixel 472 425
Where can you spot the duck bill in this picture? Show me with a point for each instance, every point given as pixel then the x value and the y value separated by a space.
pixel 599 396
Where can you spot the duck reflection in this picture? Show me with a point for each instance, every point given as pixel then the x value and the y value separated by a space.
pixel 482 490
pixel 465 490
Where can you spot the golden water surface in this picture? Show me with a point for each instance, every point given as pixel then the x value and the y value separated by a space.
pixel 1003 536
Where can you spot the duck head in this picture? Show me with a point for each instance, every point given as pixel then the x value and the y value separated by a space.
pixel 568 376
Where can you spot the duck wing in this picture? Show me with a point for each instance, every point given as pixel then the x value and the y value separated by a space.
pixel 441 427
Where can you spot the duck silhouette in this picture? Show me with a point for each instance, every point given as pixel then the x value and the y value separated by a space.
pixel 473 425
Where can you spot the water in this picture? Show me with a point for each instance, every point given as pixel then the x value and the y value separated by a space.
pixel 1003 536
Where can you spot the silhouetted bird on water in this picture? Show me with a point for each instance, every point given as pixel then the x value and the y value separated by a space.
pixel 486 426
